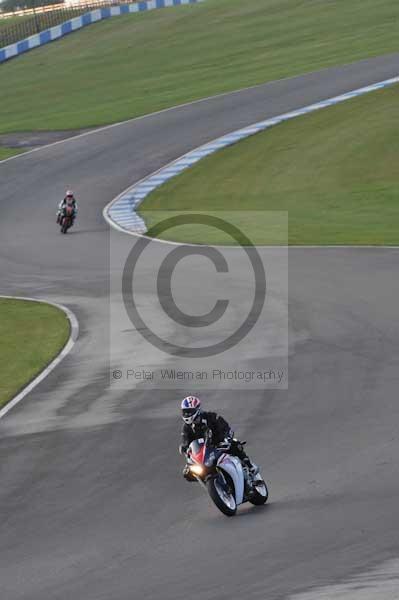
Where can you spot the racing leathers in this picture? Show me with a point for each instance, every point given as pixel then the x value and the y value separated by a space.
pixel 221 432
pixel 66 201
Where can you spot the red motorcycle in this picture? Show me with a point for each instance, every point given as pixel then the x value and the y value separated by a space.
pixel 66 218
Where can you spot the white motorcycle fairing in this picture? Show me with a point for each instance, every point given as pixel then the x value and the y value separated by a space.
pixel 232 466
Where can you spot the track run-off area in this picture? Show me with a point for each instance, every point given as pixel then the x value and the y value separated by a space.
pixel 92 501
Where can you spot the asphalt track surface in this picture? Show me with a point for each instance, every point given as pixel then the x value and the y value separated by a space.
pixel 92 501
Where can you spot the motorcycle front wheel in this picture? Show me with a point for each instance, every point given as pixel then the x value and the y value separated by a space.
pixel 222 496
pixel 260 494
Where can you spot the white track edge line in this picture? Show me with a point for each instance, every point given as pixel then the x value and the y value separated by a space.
pixel 73 335
pixel 178 106
pixel 74 324
pixel 268 123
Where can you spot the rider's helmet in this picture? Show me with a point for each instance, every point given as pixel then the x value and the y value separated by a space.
pixel 191 409
pixel 69 195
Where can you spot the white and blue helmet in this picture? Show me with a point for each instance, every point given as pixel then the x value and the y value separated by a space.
pixel 191 409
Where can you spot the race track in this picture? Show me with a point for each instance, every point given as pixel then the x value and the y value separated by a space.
pixel 92 502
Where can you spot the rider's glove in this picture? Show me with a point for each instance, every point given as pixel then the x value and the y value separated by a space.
pixel 182 449
pixel 226 443
pixel 187 474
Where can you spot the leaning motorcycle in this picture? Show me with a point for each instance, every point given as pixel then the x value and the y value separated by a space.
pixel 228 482
pixel 66 218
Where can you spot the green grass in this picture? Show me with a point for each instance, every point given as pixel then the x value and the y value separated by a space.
pixel 335 172
pixel 7 152
pixel 31 335
pixel 135 64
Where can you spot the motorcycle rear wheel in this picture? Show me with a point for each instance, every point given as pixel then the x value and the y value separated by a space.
pixel 224 501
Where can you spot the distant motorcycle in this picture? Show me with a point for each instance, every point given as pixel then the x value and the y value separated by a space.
pixel 227 481
pixel 66 218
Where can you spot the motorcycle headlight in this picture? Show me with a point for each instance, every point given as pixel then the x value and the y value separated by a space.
pixel 197 469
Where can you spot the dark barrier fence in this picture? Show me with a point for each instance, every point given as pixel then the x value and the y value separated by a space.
pixel 9 34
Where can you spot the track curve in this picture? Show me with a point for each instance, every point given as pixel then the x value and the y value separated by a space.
pixel 91 497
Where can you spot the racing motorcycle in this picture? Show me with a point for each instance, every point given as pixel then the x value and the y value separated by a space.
pixel 66 218
pixel 227 481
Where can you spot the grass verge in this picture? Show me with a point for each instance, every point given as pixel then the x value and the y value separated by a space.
pixel 7 152
pixel 31 335
pixel 334 171
pixel 135 64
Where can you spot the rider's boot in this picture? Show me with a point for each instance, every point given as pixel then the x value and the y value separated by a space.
pixel 252 467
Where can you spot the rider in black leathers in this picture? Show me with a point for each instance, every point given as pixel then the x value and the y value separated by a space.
pixel 221 433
